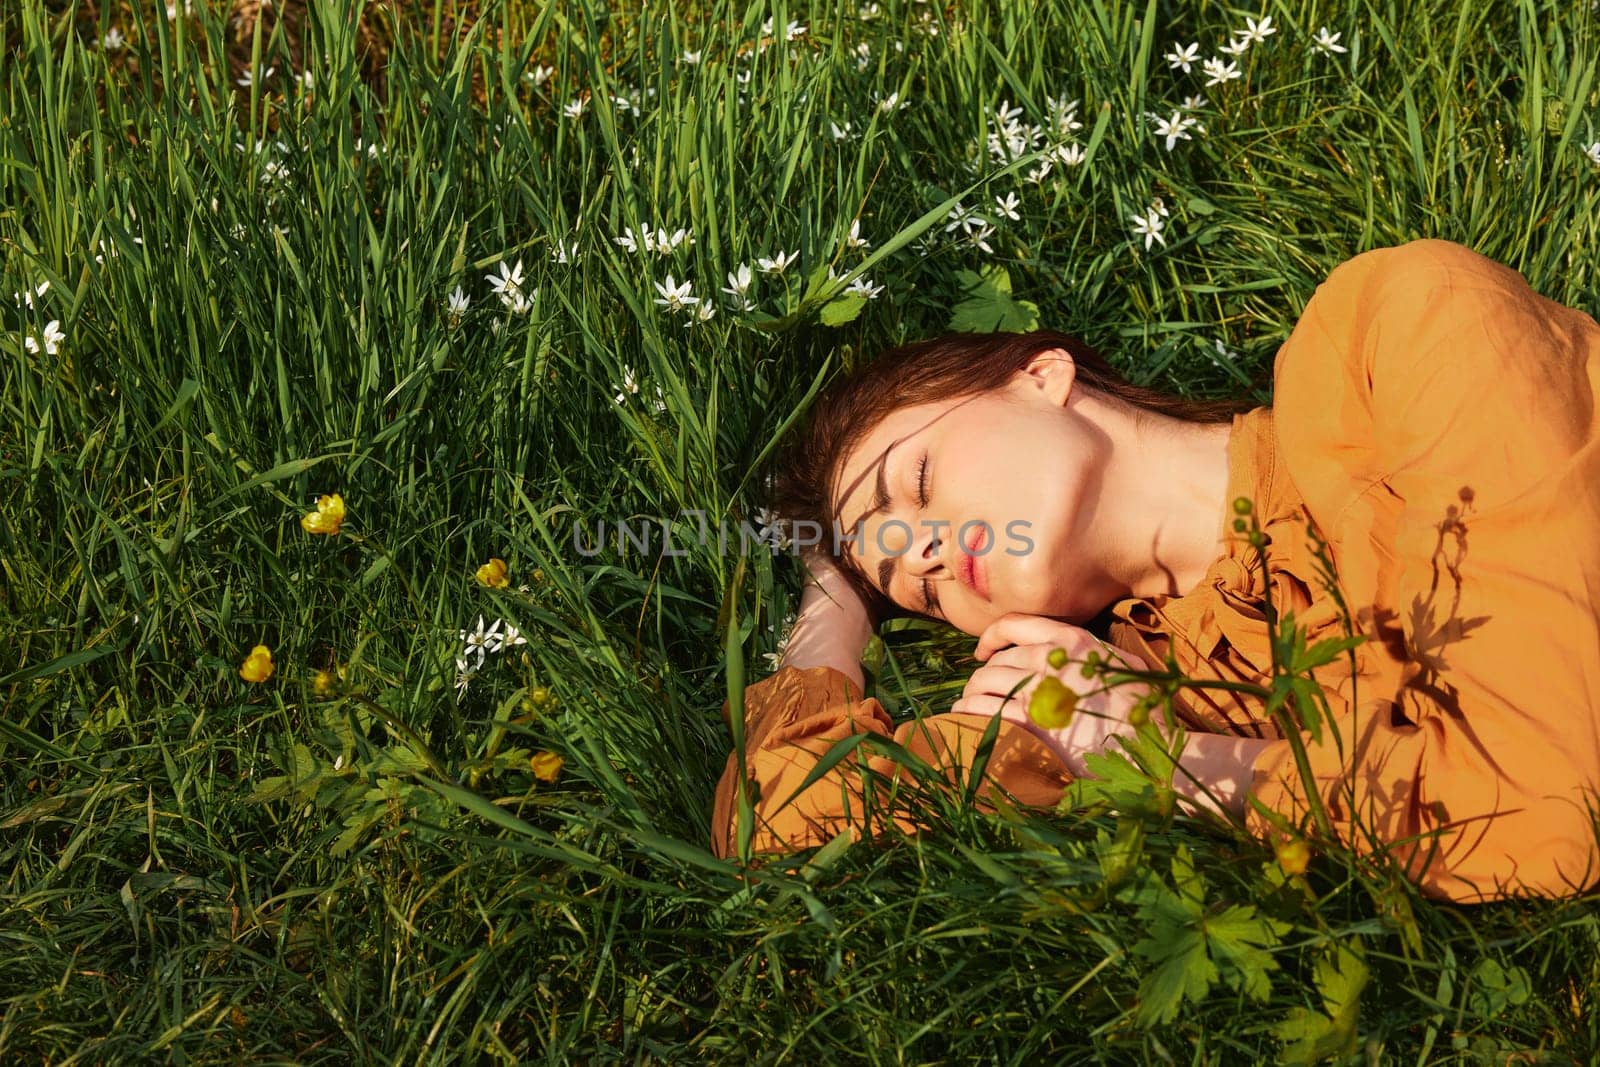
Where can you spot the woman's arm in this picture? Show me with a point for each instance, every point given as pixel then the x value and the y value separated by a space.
pixel 1223 764
pixel 832 627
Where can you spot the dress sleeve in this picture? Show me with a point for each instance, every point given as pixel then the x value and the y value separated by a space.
pixel 794 716
pixel 1478 772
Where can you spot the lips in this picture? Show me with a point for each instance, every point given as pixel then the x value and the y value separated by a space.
pixel 973 573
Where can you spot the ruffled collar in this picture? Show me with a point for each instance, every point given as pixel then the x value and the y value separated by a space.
pixel 1218 630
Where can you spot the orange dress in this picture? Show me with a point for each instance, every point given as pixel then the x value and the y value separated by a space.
pixel 1434 422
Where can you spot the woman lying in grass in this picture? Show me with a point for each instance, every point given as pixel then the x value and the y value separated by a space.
pixel 1433 422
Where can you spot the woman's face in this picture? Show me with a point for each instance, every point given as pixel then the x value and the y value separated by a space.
pixel 989 500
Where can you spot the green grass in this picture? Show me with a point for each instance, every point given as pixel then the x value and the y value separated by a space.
pixel 195 868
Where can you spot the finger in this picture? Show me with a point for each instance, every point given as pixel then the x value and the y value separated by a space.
pixel 982 704
pixel 1019 628
pixel 1029 656
pixel 999 681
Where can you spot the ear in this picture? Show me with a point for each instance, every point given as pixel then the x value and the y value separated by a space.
pixel 1050 373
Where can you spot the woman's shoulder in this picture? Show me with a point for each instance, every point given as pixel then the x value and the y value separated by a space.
pixel 1419 354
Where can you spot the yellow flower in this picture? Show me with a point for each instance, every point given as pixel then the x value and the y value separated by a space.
pixel 257 666
pixel 1052 703
pixel 322 683
pixel 493 573
pixel 546 765
pixel 1293 855
pixel 327 518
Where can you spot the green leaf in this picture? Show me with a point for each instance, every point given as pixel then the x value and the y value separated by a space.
pixel 1239 937
pixel 843 309
pixel 990 305
pixel 1193 949
pixel 1494 988
pixel 1321 1035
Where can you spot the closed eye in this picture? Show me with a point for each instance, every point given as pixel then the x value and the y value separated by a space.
pixel 929 603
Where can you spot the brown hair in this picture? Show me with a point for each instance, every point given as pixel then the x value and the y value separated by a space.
pixel 943 368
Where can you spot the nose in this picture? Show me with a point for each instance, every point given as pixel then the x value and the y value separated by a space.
pixel 928 557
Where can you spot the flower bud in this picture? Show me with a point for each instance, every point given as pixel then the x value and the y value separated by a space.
pixel 1057 658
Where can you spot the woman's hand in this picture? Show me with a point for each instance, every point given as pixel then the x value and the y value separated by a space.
pixel 832 626
pixel 1101 713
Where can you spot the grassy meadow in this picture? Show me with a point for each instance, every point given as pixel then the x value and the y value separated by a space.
pixel 406 776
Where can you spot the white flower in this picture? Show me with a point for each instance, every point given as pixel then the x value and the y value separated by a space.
pixel 623 103
pixel 1174 128
pixel 675 297
pixel 889 103
pixel 481 640
pixel 794 31
pixel 980 238
pixel 1008 206
pixel 511 638
pixel 853 239
pixel 1236 48
pixel 249 77
pixel 1006 115
pixel 1039 173
pixel 274 171
pixel 52 338
pixel 1064 115
pixel 464 673
pixel 864 287
pixel 1223 352
pixel 1328 43
pixel 458 302
pixel 26 298
pixel 840 133
pixel 113 41
pixel 964 219
pixel 1220 72
pixel 1070 154
pixel 1190 103
pixel 508 283
pixel 863 56
pixel 539 74
pixel 564 251
pixel 172 9
pixel 516 302
pixel 1257 31
pixel 867 12
pixel 1182 56
pixel 738 281
pixel 771 529
pixel 574 109
pixel 666 242
pixel 630 240
pixel 779 263
pixel 1149 226
pixel 704 312
pixel 1159 206
pixel 1593 152
pixel 691 58
pixel 628 385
